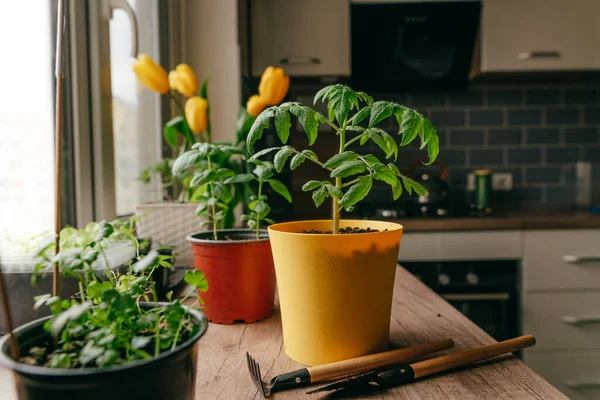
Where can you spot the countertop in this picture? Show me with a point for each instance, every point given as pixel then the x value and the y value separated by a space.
pixel 418 316
pixel 540 219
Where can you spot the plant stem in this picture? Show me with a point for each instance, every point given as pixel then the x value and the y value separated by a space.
pixel 81 292
pixel 350 183
pixel 260 182
pixel 157 337
pixel 181 110
pixel 319 163
pixel 214 206
pixel 338 183
pixel 354 139
pixel 177 334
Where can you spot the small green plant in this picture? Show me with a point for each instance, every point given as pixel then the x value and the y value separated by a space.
pixel 106 325
pixel 215 186
pixel 347 110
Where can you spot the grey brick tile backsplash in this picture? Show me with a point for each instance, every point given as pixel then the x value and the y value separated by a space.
pixel 536 133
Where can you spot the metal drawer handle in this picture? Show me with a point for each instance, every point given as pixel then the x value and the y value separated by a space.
pixel 569 319
pixel 577 259
pixel 581 385
pixel 528 55
pixel 476 297
pixel 299 60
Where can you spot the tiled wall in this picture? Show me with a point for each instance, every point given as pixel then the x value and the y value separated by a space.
pixel 537 133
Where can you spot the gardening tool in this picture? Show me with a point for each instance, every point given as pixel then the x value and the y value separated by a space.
pixel 321 373
pixel 409 372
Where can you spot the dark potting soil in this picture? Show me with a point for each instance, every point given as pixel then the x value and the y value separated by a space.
pixel 348 230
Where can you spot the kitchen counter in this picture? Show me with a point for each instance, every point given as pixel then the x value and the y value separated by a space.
pixel 419 315
pixel 505 220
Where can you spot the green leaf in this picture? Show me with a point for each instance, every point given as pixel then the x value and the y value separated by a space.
pixel 297 160
pixel 310 154
pixel 394 168
pixel 382 143
pixel 410 126
pixel 432 140
pixel 349 168
pixel 323 94
pixel 397 189
pixel 384 173
pixel 240 178
pixel 342 99
pixel 357 192
pixel 308 120
pixel 204 177
pixel 365 97
pixel 283 124
pixel 281 189
pixel 184 161
pixel 222 192
pixel 334 191
pixel 260 124
pixel 204 89
pixel 262 209
pixel 177 124
pixel 310 185
pixel 319 196
pixel 139 342
pixel 338 159
pixel 263 172
pixel 361 115
pixel 364 139
pixel 197 279
pixel 224 173
pixel 281 157
pixel 371 159
pixel 380 111
pixel 263 152
pixel 411 185
pixel 391 144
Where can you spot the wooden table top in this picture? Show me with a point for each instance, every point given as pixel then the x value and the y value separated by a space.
pixel 418 316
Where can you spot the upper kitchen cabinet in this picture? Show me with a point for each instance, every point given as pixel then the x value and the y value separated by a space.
pixel 540 35
pixel 305 37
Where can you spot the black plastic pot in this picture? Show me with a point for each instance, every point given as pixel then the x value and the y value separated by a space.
pixel 171 375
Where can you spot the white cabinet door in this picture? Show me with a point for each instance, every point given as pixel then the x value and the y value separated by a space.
pixel 540 35
pixel 305 37
pixel 562 259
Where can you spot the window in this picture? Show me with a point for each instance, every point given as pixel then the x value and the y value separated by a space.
pixel 26 117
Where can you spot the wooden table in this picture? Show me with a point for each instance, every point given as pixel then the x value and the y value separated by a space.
pixel 419 315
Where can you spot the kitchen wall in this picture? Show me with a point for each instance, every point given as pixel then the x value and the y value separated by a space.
pixel 537 133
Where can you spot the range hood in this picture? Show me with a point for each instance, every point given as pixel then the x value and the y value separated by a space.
pixel 412 45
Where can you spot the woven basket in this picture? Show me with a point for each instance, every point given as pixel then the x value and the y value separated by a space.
pixel 170 224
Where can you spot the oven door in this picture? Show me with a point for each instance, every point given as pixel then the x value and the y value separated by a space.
pixel 494 312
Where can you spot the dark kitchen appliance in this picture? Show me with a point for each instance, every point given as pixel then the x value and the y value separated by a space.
pixel 405 45
pixel 487 292
pixel 436 201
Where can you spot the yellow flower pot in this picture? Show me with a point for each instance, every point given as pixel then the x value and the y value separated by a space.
pixel 335 291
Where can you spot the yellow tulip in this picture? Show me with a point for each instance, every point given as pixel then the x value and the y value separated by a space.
pixel 196 113
pixel 274 85
pixel 152 75
pixel 255 105
pixel 183 79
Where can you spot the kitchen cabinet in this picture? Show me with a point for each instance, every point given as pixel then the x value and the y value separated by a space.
pixel 540 35
pixel 305 37
pixel 561 307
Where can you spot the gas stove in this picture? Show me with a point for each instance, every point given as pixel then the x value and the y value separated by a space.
pixel 400 210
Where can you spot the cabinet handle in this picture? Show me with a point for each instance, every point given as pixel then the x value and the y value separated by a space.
pixel 528 55
pixel 577 259
pixel 299 60
pixel 476 297
pixel 569 319
pixel 581 385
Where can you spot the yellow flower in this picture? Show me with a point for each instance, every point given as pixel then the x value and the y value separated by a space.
pixel 152 75
pixel 255 105
pixel 196 113
pixel 183 79
pixel 274 85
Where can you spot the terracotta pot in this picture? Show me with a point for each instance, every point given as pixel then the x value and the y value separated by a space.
pixel 240 274
pixel 335 291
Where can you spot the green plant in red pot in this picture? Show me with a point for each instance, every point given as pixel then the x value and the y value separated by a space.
pixel 237 262
pixel 336 277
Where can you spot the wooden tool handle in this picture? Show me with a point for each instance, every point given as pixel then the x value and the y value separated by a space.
pixel 459 359
pixel 348 367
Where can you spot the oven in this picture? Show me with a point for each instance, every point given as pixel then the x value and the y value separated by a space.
pixel 487 292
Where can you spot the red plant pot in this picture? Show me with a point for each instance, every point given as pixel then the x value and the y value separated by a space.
pixel 240 274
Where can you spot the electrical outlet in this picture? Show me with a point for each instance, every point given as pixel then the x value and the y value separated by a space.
pixel 501 182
